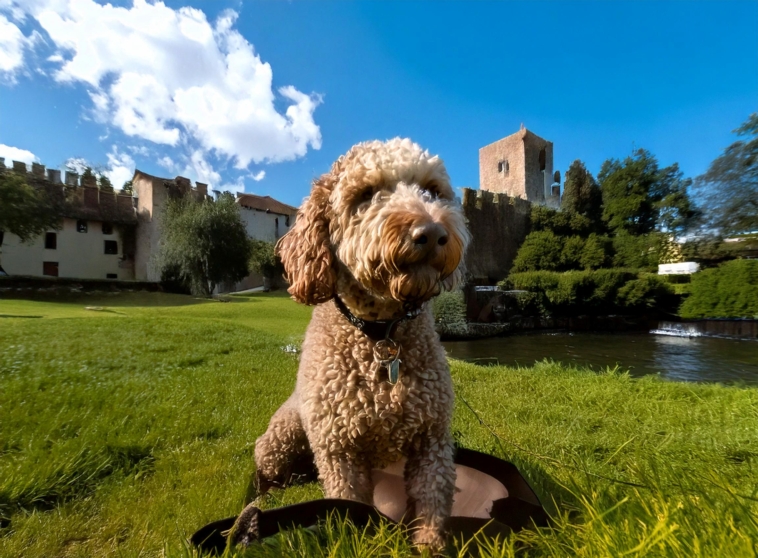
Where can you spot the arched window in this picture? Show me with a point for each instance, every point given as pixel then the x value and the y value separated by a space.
pixel 542 159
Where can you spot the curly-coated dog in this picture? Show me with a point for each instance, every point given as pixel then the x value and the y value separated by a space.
pixel 379 236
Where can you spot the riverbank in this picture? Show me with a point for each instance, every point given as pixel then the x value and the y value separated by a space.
pixel 128 426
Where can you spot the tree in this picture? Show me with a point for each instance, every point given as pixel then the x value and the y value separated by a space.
pixel 639 197
pixel 128 187
pixel 541 250
pixel 25 211
pixel 104 182
pixel 205 242
pixel 728 191
pixel 263 259
pixel 581 193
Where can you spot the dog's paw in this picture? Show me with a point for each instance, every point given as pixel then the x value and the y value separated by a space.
pixel 245 530
pixel 428 540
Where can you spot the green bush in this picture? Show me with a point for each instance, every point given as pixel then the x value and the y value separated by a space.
pixel 639 252
pixel 449 310
pixel 593 292
pixel 728 291
pixel 560 223
pixel 573 250
pixel 647 292
pixel 596 253
pixel 540 250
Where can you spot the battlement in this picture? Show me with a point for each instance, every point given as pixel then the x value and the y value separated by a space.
pixel 483 199
pixel 77 197
pixel 498 224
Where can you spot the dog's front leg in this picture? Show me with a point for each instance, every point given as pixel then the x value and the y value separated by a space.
pixel 345 476
pixel 429 483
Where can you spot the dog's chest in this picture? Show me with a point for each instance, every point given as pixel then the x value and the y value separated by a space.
pixel 361 408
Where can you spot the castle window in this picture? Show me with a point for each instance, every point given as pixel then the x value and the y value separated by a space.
pixel 503 167
pixel 111 276
pixel 111 247
pixel 50 268
pixel 543 157
pixel 81 226
pixel 51 241
pixel 107 227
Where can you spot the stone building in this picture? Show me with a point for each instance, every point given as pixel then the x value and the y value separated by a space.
pixel 114 235
pixel 521 166
pixel 95 241
pixel 151 195
pixel 265 219
pixel 514 173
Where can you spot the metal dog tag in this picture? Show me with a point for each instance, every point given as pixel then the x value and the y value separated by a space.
pixel 394 371
pixel 387 355
pixel 386 351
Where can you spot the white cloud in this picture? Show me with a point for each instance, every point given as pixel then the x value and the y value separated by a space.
pixel 77 164
pixel 258 176
pixel 120 167
pixel 15 154
pixel 167 163
pixel 12 44
pixel 172 77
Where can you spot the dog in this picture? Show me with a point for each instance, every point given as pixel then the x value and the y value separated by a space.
pixel 378 237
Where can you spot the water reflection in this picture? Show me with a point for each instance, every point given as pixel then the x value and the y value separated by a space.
pixel 676 358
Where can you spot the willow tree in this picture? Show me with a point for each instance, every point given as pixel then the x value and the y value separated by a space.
pixel 205 242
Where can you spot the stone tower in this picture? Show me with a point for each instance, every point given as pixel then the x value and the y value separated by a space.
pixel 521 166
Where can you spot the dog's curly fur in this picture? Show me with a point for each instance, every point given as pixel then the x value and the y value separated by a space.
pixel 359 237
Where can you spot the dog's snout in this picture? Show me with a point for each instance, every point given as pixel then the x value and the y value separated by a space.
pixel 429 234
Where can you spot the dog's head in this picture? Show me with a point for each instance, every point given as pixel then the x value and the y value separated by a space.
pixel 385 211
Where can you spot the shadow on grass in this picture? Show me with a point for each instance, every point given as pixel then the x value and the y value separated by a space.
pixel 17 316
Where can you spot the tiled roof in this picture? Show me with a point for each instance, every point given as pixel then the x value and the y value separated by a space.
pixel 265 203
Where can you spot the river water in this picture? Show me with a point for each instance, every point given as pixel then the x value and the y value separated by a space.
pixel 699 359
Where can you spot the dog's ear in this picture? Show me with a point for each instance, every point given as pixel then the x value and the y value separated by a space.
pixel 305 250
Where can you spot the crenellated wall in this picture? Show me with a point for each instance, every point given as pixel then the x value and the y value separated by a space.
pixel 78 198
pixel 498 224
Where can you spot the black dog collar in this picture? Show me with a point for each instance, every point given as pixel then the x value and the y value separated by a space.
pixel 376 330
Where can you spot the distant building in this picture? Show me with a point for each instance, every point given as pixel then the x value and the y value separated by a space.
pixel 521 166
pixel 151 194
pixel 266 218
pixel 96 240
pixel 110 235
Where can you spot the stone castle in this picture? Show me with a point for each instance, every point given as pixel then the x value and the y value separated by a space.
pixel 108 234
pixel 116 235
pixel 521 166
pixel 514 173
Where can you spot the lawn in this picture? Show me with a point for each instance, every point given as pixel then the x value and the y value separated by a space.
pixel 125 427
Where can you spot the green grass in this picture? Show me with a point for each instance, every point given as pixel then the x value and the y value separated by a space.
pixel 124 429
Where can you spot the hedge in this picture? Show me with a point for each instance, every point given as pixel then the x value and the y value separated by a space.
pixel 591 292
pixel 727 291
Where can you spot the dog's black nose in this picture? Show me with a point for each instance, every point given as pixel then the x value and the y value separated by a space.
pixel 429 233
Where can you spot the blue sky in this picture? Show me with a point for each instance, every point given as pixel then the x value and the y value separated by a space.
pixel 263 96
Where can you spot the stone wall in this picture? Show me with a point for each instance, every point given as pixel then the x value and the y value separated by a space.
pixel 76 198
pixel 498 224
pixel 502 166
